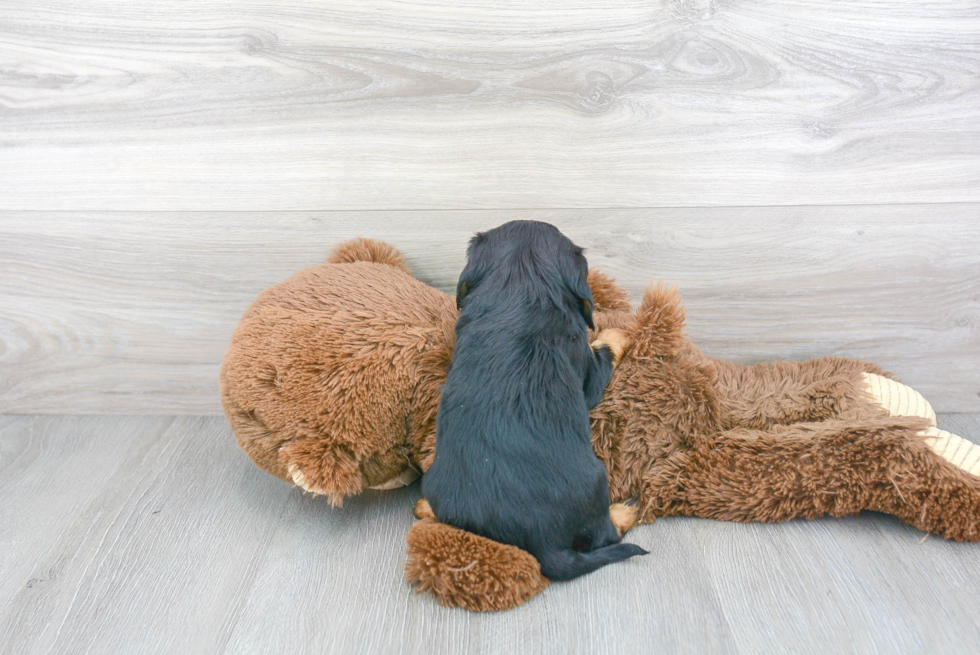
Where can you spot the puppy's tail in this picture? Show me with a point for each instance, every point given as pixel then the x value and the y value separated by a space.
pixel 367 250
pixel 568 564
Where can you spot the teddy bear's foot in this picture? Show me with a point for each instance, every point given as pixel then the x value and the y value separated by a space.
pixel 403 479
pixel 898 399
pixel 462 569
pixel 303 482
pixel 331 472
pixel 959 452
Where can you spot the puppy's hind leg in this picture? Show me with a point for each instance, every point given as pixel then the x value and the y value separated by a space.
pixel 616 340
pixel 624 516
pixel 605 533
pixel 423 510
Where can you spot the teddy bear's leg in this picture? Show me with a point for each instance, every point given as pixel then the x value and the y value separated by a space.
pixel 896 398
pixel 900 466
pixel 324 469
pixel 901 400
pixel 335 471
pixel 783 393
pixel 959 452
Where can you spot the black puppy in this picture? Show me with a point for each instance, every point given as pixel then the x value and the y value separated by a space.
pixel 514 459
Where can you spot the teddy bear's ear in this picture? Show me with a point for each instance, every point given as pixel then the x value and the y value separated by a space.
pixel 607 294
pixel 659 328
pixel 367 250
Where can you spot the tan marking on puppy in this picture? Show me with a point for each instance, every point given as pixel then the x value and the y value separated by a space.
pixel 616 339
pixel 898 399
pixel 623 516
pixel 403 479
pixel 423 510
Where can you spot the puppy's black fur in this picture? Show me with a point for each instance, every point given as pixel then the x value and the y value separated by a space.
pixel 514 459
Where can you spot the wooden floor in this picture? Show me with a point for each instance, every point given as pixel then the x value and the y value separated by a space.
pixel 127 534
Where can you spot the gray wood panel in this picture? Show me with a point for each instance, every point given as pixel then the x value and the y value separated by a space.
pixel 159 560
pixel 385 104
pixel 131 312
pixel 50 472
pixel 179 544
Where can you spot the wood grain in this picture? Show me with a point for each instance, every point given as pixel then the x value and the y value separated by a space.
pixel 131 312
pixel 179 544
pixel 386 104
pixel 156 560
pixel 55 474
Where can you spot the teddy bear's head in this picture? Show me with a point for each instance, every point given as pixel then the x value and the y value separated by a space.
pixel 331 380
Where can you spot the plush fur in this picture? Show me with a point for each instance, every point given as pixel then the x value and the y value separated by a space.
pixel 514 459
pixel 326 358
pixel 335 374
pixel 472 572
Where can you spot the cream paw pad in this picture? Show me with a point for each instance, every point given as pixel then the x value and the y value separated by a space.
pixel 959 452
pixel 901 400
pixel 897 398
pixel 403 479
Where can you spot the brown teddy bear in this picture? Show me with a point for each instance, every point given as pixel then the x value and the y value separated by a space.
pixel 332 379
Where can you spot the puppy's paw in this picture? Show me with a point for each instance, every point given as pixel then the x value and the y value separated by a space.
pixel 423 510
pixel 616 339
pixel 624 516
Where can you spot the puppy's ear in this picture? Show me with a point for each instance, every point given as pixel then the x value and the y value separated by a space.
pixel 462 288
pixel 476 258
pixel 579 285
pixel 587 313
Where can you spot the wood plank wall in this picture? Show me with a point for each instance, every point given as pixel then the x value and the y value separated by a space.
pixel 807 171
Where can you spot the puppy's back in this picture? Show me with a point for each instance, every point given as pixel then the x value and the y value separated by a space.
pixel 514 460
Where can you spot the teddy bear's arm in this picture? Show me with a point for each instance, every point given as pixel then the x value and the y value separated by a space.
pixel 897 465
pixel 322 468
pixel 782 393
